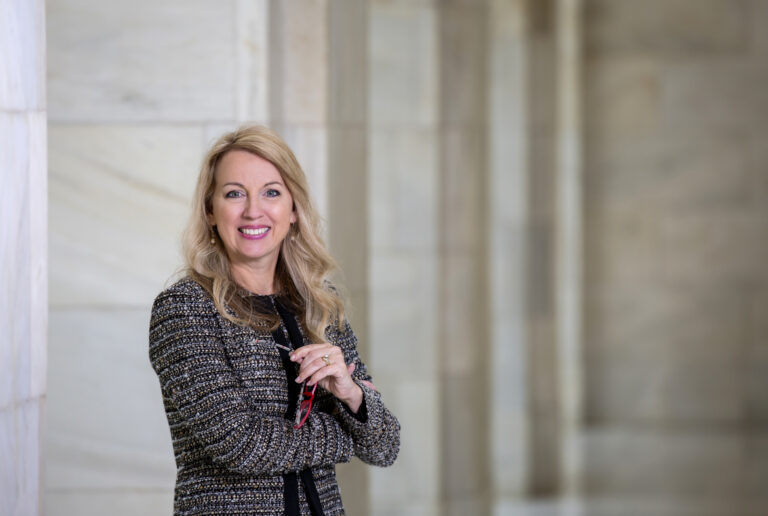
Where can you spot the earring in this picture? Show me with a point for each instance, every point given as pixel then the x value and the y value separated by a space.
pixel 293 232
pixel 213 237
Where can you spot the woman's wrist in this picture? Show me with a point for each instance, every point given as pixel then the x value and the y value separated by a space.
pixel 354 399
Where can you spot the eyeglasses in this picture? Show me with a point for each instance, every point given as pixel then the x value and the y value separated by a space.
pixel 306 397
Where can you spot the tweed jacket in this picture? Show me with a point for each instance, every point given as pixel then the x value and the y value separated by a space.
pixel 225 393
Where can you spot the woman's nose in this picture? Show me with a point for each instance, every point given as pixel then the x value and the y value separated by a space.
pixel 252 208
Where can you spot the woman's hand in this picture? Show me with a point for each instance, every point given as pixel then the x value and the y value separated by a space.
pixel 324 364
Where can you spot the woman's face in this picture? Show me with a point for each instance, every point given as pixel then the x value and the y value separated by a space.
pixel 251 208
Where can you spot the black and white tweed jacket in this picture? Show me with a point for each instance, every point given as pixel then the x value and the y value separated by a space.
pixel 225 392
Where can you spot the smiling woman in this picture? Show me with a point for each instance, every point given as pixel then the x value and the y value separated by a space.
pixel 262 384
pixel 251 211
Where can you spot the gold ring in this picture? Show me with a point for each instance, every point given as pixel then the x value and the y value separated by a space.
pixel 326 359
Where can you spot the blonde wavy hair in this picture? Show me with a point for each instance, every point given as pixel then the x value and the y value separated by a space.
pixel 304 263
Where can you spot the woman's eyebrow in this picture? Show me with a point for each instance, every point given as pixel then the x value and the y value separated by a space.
pixel 232 183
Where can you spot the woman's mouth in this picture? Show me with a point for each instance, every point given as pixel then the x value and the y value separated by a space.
pixel 254 233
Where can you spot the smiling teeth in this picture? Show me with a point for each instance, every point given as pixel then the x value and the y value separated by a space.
pixel 259 231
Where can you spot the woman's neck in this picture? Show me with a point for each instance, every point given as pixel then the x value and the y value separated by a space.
pixel 254 279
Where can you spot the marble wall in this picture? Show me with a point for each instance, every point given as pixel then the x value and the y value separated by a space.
pixel 676 245
pixel 23 255
pixel 442 140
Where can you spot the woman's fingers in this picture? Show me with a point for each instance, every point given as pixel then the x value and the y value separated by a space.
pixel 324 359
pixel 310 352
pixel 324 364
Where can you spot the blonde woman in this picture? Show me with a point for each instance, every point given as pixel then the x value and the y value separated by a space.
pixel 261 380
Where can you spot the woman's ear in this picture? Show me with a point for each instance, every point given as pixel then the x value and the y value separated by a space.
pixel 293 216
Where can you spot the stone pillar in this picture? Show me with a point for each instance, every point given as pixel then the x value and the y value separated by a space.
pixel 462 294
pixel 508 222
pixel 543 369
pixel 569 243
pixel 403 202
pixel 23 254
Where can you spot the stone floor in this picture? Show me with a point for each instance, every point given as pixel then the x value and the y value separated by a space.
pixel 634 507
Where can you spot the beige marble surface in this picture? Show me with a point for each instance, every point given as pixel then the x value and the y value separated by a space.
pixel 679 27
pixel 138 62
pixel 303 66
pixel 413 476
pixel 677 462
pixel 403 64
pixel 106 423
pixel 90 503
pixel 628 90
pixel 675 248
pixel 403 176
pixel 119 199
pixel 252 60
pixel 403 196
pixel 716 93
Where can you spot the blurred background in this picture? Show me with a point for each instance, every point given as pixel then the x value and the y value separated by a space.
pixel 551 217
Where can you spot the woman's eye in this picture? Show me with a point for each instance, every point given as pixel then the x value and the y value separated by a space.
pixel 272 193
pixel 234 193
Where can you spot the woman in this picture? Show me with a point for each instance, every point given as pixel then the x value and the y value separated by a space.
pixel 263 387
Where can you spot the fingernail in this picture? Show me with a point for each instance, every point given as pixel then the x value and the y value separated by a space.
pixel 298 379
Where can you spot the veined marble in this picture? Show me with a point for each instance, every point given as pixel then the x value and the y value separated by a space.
pixel 126 502
pixel 22 56
pixel 23 254
pixel 106 426
pixel 403 64
pixel 415 475
pixel 142 61
pixel 119 203
pixel 661 27
pixel 401 188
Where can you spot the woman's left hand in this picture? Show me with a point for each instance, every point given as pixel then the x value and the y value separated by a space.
pixel 324 364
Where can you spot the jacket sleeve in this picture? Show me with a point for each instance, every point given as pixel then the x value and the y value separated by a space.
pixel 187 354
pixel 376 434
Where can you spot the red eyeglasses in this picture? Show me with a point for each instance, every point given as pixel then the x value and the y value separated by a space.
pixel 306 397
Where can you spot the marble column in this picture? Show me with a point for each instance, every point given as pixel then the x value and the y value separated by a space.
pixel 403 197
pixel 23 258
pixel 569 242
pixel 508 226
pixel 462 279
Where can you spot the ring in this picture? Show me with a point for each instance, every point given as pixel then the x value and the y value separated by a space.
pixel 326 359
